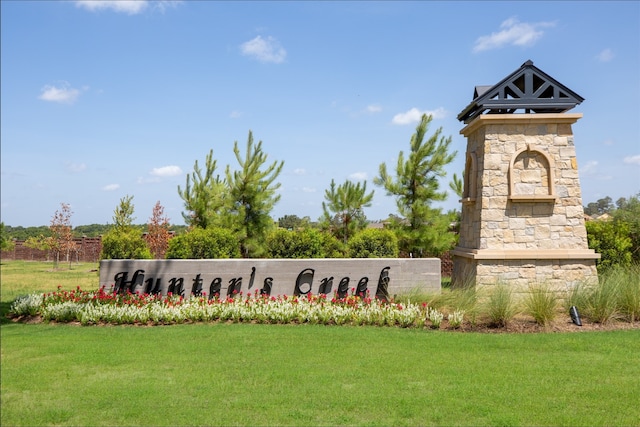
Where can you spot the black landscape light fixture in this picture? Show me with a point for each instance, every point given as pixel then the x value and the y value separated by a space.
pixel 575 316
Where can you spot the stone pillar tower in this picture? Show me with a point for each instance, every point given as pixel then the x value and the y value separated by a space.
pixel 522 217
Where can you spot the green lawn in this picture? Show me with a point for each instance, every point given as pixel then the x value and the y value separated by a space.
pixel 244 374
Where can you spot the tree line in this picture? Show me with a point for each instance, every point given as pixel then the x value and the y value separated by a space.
pixel 240 202
pixel 228 214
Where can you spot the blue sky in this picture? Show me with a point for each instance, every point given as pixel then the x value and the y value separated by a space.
pixel 100 100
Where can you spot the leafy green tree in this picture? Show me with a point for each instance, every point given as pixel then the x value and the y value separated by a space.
pixel 611 240
pixel 124 240
pixel 423 229
pixel 343 208
pixel 23 233
pixel 628 213
pixel 91 230
pixel 293 222
pixel 203 195
pixel 40 243
pixel 252 193
pixel 602 206
pixel 5 242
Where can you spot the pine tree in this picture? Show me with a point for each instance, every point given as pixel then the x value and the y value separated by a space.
pixel 343 208
pixel 252 193
pixel 123 240
pixel 423 230
pixel 203 195
pixel 123 214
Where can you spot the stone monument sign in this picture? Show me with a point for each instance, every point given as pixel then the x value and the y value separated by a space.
pixel 381 277
pixel 522 216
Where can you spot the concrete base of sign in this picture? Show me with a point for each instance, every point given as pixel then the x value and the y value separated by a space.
pixel 372 276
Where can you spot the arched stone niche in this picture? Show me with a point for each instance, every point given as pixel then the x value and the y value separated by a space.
pixel 470 178
pixel 531 176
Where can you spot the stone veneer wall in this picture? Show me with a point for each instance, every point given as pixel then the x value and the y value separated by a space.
pixel 522 216
pixel 559 274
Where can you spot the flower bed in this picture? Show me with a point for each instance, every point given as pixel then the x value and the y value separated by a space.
pixel 96 307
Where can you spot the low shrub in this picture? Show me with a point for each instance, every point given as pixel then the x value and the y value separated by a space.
pixel 307 243
pixel 127 243
pixel 373 243
pixel 199 243
pixel 611 240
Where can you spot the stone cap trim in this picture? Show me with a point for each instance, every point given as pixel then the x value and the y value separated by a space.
pixel 525 253
pixel 536 118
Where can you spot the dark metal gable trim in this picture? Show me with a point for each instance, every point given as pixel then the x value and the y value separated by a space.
pixel 528 88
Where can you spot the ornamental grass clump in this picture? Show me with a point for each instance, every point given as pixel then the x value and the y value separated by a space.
pixel 501 306
pixel 541 303
pixel 629 292
pixel 601 305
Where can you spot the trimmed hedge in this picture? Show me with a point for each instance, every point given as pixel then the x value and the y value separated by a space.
pixel 207 243
pixel 373 243
pixel 307 243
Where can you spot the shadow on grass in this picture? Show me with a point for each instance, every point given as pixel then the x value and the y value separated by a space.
pixel 4 310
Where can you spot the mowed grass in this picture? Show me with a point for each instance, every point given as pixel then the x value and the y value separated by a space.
pixel 26 277
pixel 244 374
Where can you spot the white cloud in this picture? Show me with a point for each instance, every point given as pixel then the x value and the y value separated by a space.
pixel 358 176
pixel 605 56
pixel 235 114
pixel 76 167
pixel 632 160
pixel 111 187
pixel 512 32
pixel 64 94
pixel 589 168
pixel 373 108
pixel 130 7
pixel 438 113
pixel 414 115
pixel 264 49
pixel 299 171
pixel 592 171
pixel 166 171
pixel 308 190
